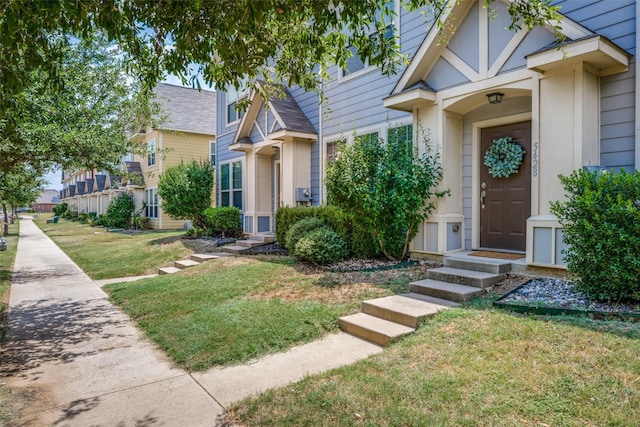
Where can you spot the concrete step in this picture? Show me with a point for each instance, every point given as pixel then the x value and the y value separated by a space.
pixel 232 249
pixel 400 309
pixel 263 237
pixel 185 263
pixel 168 270
pixel 444 290
pixel 203 257
pixel 487 265
pixel 374 329
pixel 478 279
pixel 249 243
pixel 444 303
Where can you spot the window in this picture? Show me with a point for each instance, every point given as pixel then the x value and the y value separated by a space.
pixel 355 65
pixel 368 137
pixel 212 153
pixel 231 184
pixel 151 199
pixel 402 135
pixel 151 152
pixel 233 96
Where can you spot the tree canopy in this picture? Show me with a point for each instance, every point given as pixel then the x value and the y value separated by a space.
pixel 283 40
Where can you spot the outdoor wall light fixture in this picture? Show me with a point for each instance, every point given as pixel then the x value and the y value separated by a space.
pixel 495 97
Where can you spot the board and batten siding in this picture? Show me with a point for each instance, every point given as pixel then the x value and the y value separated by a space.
pixel 616 20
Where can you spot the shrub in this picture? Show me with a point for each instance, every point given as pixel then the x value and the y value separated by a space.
pixel 141 222
pixel 601 225
pixel 82 217
pixel 119 212
pixel 223 221
pixel 321 246
pixel 92 215
pixel 301 229
pixel 60 209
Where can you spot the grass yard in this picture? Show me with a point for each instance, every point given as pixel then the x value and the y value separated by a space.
pixel 10 402
pixel 104 255
pixel 471 367
pixel 235 309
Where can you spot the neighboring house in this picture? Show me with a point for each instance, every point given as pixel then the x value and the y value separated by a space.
pixel 187 133
pixel 569 106
pixel 46 201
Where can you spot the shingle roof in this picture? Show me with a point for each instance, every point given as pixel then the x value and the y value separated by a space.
pixel 289 111
pixel 186 109
pixel 48 196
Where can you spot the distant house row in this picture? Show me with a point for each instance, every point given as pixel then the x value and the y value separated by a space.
pixel 569 106
pixel 187 133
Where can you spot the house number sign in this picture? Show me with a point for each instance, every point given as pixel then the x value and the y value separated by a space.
pixel 534 160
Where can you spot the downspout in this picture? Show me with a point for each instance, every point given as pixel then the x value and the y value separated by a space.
pixel 323 165
pixel 637 98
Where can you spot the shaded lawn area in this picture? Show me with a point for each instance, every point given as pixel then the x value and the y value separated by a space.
pixel 235 309
pixel 10 402
pixel 470 367
pixel 104 255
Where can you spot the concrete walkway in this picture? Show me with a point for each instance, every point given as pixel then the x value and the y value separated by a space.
pixel 85 363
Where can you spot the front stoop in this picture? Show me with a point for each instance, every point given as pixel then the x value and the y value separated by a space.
pixel 253 241
pixel 385 320
pixel 459 276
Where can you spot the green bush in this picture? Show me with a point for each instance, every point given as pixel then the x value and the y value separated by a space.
pixel 321 246
pixel 82 217
pixel 301 229
pixel 119 212
pixel 360 243
pixel 601 225
pixel 141 222
pixel 92 215
pixel 60 209
pixel 223 221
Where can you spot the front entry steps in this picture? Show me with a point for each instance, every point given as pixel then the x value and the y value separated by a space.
pixel 462 277
pixel 195 259
pixel 385 320
pixel 252 241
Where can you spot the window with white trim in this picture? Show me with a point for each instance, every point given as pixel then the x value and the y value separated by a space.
pixel 233 97
pixel 231 184
pixel 212 153
pixel 355 65
pixel 151 152
pixel 151 201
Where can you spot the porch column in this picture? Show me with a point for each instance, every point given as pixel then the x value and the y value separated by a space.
pixel 257 213
pixel 296 169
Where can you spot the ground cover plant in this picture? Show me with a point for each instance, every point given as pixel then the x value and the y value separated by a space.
pixel 104 255
pixel 472 367
pixel 235 309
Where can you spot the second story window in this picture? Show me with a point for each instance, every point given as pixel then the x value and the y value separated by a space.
pixel 151 152
pixel 212 153
pixel 233 96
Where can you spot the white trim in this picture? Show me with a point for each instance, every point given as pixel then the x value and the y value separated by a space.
pixel 483 41
pixel 476 165
pixel 460 65
pixel 506 53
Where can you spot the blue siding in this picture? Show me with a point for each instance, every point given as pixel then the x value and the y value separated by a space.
pixel 536 39
pixel 460 43
pixel 444 75
pixel 499 35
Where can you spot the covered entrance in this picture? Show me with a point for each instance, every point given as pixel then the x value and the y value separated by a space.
pixel 505 203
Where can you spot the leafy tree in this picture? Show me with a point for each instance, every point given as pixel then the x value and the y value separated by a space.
pixel 286 40
pixel 20 187
pixel 388 187
pixel 86 125
pixel 185 191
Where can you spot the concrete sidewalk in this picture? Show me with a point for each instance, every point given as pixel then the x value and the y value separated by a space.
pixel 85 362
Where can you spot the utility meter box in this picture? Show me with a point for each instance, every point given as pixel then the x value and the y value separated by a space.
pixel 303 195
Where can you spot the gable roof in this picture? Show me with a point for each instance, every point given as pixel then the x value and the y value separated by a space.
pixel 288 114
pixel 187 109
pixel 48 196
pixel 435 44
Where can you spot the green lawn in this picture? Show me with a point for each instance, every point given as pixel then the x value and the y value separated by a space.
pixel 9 402
pixel 104 255
pixel 234 309
pixel 471 367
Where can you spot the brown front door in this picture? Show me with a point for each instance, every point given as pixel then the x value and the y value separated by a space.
pixel 505 203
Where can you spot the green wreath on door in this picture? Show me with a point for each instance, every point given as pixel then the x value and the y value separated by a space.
pixel 504 157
